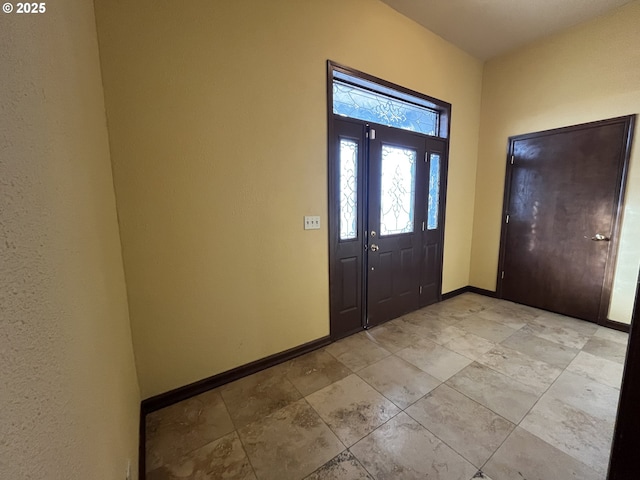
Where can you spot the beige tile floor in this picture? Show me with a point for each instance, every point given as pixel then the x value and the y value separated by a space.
pixel 472 387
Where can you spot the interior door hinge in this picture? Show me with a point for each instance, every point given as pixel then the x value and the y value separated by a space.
pixel 502 275
pixel 423 226
pixel 372 134
pixel 507 219
pixel 512 159
pixel 420 289
pixel 426 157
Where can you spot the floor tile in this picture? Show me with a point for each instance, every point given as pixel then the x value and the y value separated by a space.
pixel 503 318
pixel 571 430
pixel 435 331
pixel 256 396
pixel 314 371
pixel 597 368
pixel 427 315
pixel 492 331
pixel 343 467
pixel 357 351
pixel 221 459
pixel 581 392
pixel 469 345
pixel 186 426
pixel 480 475
pixel 352 408
pixel 524 456
pixel 611 334
pixel 488 302
pixel 557 320
pixel 609 349
pixel 437 361
pixel 422 323
pixel 561 335
pixel 510 314
pixel 290 443
pixel 519 310
pixel 457 308
pixel 521 367
pixel 472 430
pixel 541 349
pixel 398 380
pixel 500 393
pixel 392 336
pixel 468 301
pixel 403 449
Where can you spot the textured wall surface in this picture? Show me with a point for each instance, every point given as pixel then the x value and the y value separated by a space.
pixel 69 399
pixel 588 73
pixel 217 118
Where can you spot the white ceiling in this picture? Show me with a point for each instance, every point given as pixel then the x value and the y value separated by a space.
pixel 486 28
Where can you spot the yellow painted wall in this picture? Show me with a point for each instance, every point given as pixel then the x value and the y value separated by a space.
pixel 69 395
pixel 588 73
pixel 217 119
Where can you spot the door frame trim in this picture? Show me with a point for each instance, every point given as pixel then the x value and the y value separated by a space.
pixel 624 462
pixel 629 123
pixel 443 134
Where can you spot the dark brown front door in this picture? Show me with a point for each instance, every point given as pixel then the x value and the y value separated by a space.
pixel 386 214
pixel 395 206
pixel 562 200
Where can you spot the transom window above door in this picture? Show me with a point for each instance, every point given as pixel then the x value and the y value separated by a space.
pixel 358 98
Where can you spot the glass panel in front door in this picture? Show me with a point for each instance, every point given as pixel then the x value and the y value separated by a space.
pixel 434 191
pixel 348 189
pixel 397 190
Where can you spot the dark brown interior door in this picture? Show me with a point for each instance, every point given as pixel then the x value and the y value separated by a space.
pixel 563 196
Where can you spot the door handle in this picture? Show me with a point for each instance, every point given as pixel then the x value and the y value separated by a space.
pixel 373 247
pixel 598 237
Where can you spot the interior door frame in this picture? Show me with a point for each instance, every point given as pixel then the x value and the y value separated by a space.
pixel 605 300
pixel 624 462
pixel 442 133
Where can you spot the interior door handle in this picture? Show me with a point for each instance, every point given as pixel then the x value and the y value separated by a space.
pixel 373 247
pixel 598 237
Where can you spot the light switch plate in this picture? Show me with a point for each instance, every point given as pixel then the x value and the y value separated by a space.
pixel 312 222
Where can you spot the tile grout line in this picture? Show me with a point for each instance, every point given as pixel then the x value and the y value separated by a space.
pixel 244 448
pixel 533 406
pixel 368 434
pixel 440 439
pixel 404 410
pixel 517 425
pixel 330 429
pixel 192 450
